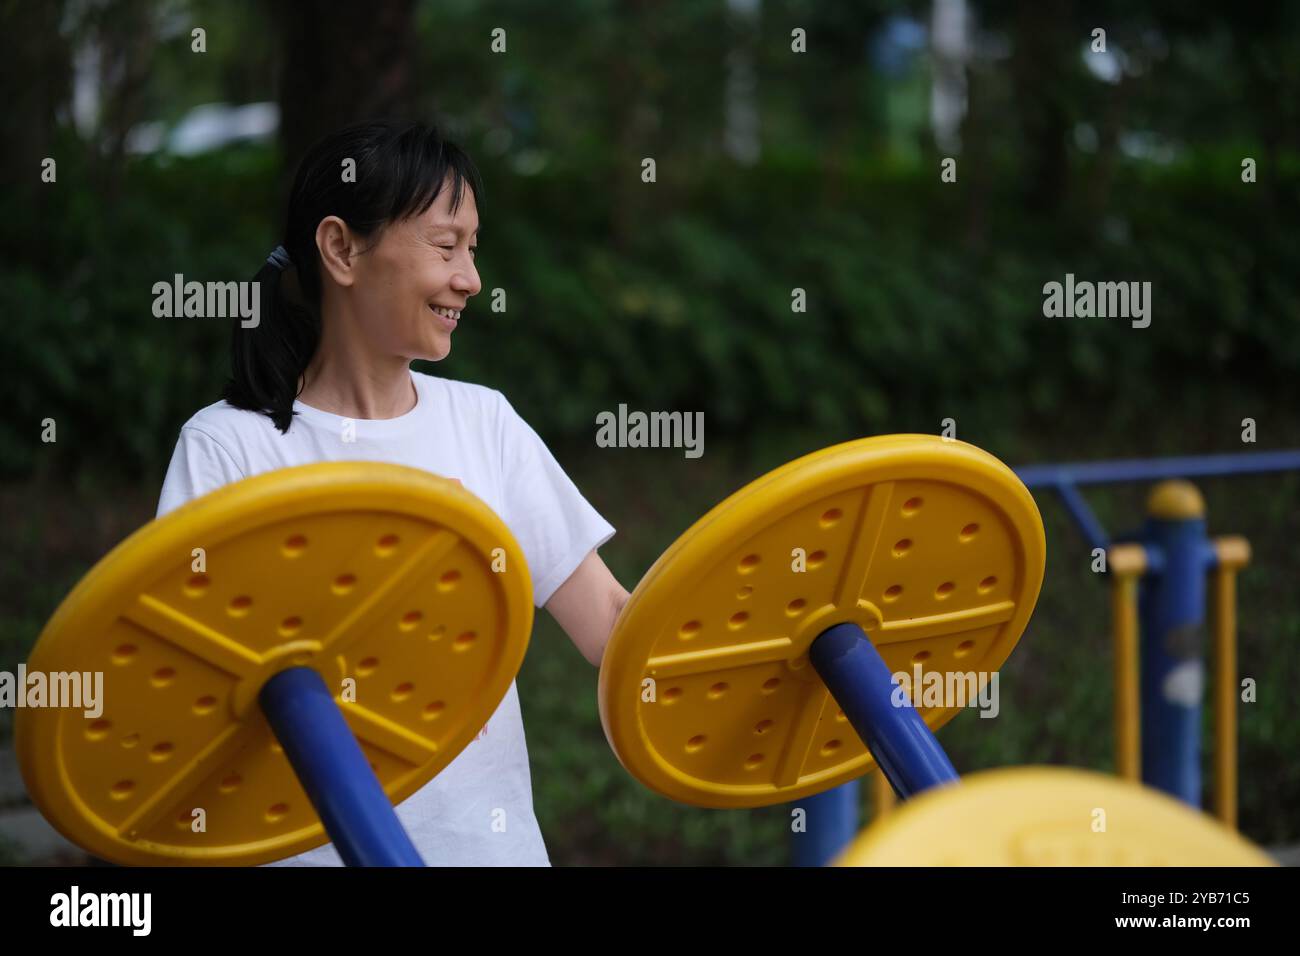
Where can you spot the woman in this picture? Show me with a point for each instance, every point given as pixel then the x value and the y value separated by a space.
pixel 376 269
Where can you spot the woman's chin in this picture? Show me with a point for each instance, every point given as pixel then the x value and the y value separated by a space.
pixel 434 351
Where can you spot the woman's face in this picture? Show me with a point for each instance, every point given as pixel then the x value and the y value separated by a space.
pixel 419 265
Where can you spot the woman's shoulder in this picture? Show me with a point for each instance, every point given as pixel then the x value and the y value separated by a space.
pixel 455 390
pixel 225 424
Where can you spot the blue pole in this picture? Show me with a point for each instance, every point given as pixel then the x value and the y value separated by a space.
pixel 333 770
pixel 1155 469
pixel 1171 607
pixel 830 821
pixel 861 683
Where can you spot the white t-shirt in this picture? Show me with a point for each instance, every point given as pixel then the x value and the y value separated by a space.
pixel 456 430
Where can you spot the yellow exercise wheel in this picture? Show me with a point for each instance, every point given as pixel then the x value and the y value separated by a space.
pixel 932 546
pixel 1048 816
pixel 404 591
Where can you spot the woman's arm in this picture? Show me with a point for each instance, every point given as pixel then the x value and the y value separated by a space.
pixel 586 606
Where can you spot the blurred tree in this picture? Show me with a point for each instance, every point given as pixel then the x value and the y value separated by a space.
pixel 342 63
pixel 36 76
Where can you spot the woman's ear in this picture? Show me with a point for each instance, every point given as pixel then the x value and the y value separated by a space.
pixel 334 240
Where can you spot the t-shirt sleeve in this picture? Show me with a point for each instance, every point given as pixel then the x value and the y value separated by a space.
pixel 555 525
pixel 199 465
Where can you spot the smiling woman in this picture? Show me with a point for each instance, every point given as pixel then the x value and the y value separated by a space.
pixel 375 271
pixel 379 242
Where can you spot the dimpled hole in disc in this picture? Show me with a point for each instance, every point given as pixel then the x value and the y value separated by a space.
pixel 738 620
pixel 465 641
pixel 98 730
pixel 795 607
pixel 410 620
pixel 205 704
pixel 124 653
pixel 366 666
pixel 386 545
pixel 695 743
pixel 969 532
pixel 943 590
pixel 893 591
pixel 197 586
pixel 964 648
pixel 754 762
pixel 816 559
pixel 343 584
pixel 277 812
pixel 161 751
pixel 718 689
pixel 986 585
pixel 902 547
pixel 122 789
pixel 672 694
pixel 239 605
pixel 912 505
pixel 689 630
pixel 831 518
pixel 294 545
pixel 449 580
pixel 763 726
pixel 748 563
pixel 920 656
pixel 433 710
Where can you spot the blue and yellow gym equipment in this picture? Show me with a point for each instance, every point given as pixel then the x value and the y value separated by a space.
pixel 284 659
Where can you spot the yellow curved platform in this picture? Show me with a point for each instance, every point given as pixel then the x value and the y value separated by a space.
pixel 1048 816
pixel 706 695
pixel 379 577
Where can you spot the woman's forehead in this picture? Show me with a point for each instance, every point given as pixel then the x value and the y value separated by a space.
pixel 440 216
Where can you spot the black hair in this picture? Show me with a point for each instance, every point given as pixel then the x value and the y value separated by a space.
pixel 400 169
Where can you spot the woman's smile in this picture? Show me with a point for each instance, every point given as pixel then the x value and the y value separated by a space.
pixel 450 317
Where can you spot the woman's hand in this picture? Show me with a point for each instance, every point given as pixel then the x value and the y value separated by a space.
pixel 586 606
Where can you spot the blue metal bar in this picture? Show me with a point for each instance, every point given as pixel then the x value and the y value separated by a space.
pixel 333 770
pixel 1171 608
pixel 1155 469
pixel 861 683
pixel 830 821
pixel 1087 521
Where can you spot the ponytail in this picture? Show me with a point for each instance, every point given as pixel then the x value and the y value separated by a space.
pixel 268 359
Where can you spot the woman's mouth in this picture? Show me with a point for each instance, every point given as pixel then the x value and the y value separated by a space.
pixel 450 317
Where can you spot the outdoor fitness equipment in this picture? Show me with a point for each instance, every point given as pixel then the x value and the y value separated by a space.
pixel 331 635
pixel 756 646
pixel 1048 816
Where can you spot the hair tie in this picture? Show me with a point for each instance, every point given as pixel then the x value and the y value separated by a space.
pixel 279 258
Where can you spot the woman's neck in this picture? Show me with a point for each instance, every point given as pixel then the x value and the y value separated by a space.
pixel 347 383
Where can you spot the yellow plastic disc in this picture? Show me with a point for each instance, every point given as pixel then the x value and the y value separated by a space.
pixel 379 577
pixel 1048 816
pixel 933 546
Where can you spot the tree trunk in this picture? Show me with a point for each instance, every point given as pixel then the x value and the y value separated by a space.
pixel 342 63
